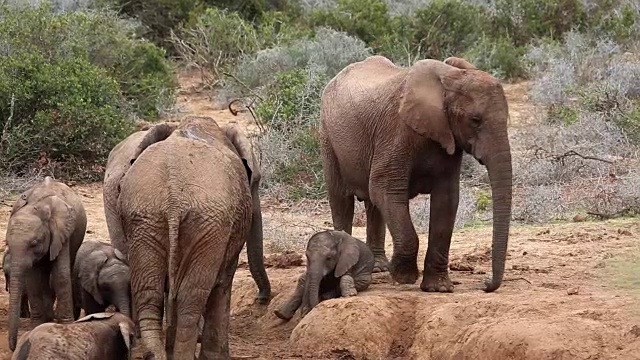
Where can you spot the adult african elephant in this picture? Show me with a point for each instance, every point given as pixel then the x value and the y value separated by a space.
pixel 123 155
pixel 389 133
pixel 186 210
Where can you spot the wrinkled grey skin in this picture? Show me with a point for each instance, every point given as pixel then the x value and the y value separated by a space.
pixel 389 133
pixel 102 278
pixel 99 336
pixel 46 227
pixel 123 155
pixel 24 308
pixel 186 211
pixel 337 265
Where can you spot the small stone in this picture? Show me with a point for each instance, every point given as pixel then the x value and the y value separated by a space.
pixel 524 253
pixel 635 331
pixel 579 218
pixel 520 267
pixel 572 291
pixel 624 232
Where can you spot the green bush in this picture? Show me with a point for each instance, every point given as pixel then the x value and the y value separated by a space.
pixel 524 20
pixel 366 19
pixel 77 80
pixel 215 39
pixel 291 147
pixel 500 57
pixel 449 27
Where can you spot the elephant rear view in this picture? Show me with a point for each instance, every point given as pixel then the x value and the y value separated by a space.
pixel 186 210
pixel 46 227
pixel 389 133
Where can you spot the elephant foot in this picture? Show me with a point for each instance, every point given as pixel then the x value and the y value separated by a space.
pixel 404 270
pixel 284 313
pixel 263 297
pixel 438 282
pixel 381 263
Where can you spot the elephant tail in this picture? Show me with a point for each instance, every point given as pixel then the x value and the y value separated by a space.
pixel 174 225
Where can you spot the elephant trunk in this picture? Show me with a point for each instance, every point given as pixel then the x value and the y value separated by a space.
pixel 312 288
pixel 500 176
pixel 255 250
pixel 15 304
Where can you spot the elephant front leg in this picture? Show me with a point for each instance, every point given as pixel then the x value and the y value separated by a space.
pixel 288 309
pixel 39 295
pixel 61 281
pixel 347 286
pixel 376 236
pixel 444 206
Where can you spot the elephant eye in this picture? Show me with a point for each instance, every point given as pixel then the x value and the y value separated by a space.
pixel 476 120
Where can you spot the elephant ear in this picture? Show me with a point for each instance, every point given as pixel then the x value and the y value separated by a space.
pixel 245 151
pixel 156 133
pixel 61 219
pixel 349 253
pixel 460 63
pixel 422 103
pixel 88 272
pixel 128 335
pixel 120 256
pixel 96 316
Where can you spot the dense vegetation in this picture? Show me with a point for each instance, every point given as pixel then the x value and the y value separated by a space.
pixel 75 76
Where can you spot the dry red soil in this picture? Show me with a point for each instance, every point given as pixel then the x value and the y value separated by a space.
pixel 571 290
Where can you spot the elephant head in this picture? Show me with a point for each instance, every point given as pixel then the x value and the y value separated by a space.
pixel 460 107
pixel 103 272
pixel 329 253
pixel 120 159
pixel 255 251
pixel 94 337
pixel 36 231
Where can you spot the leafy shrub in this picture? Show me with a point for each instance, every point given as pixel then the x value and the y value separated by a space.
pixel 366 19
pixel 500 57
pixel 70 84
pixel 290 146
pixel 329 50
pixel 215 39
pixel 449 27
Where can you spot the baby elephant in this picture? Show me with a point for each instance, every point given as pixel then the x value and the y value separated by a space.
pixel 103 278
pixel 99 336
pixel 337 265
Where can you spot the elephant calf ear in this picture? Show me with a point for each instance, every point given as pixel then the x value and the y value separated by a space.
pixel 460 63
pixel 348 255
pixel 62 220
pixel 89 270
pixel 422 104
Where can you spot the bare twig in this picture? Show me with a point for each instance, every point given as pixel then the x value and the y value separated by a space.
pixel 516 279
pixel 613 215
pixel 243 85
pixel 5 129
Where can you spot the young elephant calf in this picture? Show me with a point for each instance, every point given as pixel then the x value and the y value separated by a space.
pixel 337 265
pixel 99 336
pixel 102 276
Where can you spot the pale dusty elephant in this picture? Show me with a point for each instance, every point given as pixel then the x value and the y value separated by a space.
pixel 389 133
pixel 45 230
pixel 99 336
pixel 337 265
pixel 124 154
pixel 102 278
pixel 186 211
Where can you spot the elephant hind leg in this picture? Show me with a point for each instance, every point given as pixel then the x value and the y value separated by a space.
pixel 341 200
pixel 376 236
pixel 148 273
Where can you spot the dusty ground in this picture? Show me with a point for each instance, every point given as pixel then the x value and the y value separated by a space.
pixel 571 291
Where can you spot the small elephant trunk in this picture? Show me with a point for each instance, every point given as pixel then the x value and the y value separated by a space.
pixel 500 175
pixel 312 289
pixel 15 304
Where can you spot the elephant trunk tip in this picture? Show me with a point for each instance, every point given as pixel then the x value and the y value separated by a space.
pixel 492 284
